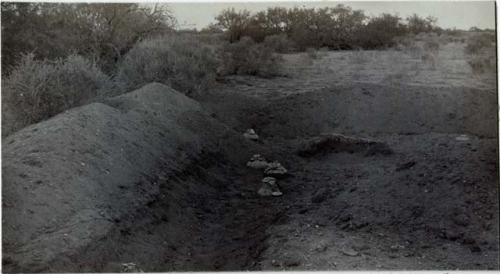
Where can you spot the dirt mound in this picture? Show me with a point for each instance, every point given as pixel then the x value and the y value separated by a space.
pixel 72 180
pixel 339 143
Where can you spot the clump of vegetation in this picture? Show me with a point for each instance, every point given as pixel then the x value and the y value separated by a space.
pixel 103 32
pixel 480 50
pixel 36 90
pixel 480 42
pixel 279 43
pixel 338 27
pixel 250 58
pixel 175 60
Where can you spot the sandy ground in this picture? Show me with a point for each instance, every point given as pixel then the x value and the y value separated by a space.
pixel 430 204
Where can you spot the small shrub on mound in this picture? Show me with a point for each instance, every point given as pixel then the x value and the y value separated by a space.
pixel 178 61
pixel 247 57
pixel 36 90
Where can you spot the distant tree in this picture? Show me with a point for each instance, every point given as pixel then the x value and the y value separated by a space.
pixel 417 24
pixel 234 23
pixel 380 31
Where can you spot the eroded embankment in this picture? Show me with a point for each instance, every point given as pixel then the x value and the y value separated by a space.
pixel 129 179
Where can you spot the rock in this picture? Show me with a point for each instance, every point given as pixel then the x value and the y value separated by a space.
pixel 257 162
pixel 265 190
pixel 130 267
pixel 269 187
pixel 275 169
pixel 251 135
pixel 462 138
pixel 269 180
pixel 350 252
pixel 277 193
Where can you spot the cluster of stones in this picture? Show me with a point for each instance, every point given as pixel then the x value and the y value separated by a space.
pixel 272 170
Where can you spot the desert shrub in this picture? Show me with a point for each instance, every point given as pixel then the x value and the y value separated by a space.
pixel 380 32
pixel 250 58
pixel 479 42
pixel 36 90
pixel 104 31
pixel 179 61
pixel 482 63
pixel 279 43
pixel 431 45
pixel 480 52
pixel 312 53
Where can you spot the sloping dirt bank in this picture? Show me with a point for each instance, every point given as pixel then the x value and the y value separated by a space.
pixel 147 177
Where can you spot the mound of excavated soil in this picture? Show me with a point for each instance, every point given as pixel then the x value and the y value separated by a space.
pixel 75 186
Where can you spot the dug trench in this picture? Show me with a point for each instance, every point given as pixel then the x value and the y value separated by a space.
pixel 410 183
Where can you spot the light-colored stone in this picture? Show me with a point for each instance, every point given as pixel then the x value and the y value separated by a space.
pixel 257 162
pixel 251 135
pixel 462 138
pixel 275 169
pixel 130 267
pixel 265 190
pixel 269 180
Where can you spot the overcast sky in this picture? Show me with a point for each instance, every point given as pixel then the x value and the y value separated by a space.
pixel 460 14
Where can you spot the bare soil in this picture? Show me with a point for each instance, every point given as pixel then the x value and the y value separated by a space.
pixel 185 200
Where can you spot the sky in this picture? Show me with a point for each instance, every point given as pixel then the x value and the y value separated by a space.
pixel 456 14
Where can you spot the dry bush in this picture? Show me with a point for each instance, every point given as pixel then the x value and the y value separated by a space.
pixel 279 43
pixel 482 64
pixel 480 42
pixel 179 61
pixel 480 50
pixel 430 59
pixel 247 57
pixel 431 45
pixel 312 53
pixel 36 90
pixel 104 31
